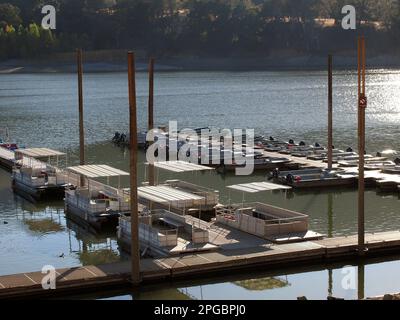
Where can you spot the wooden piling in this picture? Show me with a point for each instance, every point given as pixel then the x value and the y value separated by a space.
pixel 362 103
pixel 135 254
pixel 361 282
pixel 330 113
pixel 150 124
pixel 80 100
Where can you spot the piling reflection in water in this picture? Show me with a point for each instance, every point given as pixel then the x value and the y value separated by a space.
pixel 312 282
pixel 329 234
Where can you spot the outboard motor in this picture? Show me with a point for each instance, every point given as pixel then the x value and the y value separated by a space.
pixel 378 154
pixel 271 139
pixel 291 141
pixel 122 138
pixel 289 178
pixel 302 143
pixel 349 149
pixel 317 145
pixel 273 175
pixel 397 161
pixel 116 137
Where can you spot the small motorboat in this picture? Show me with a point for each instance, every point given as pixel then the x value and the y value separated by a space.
pixel 259 163
pixel 391 170
pixel 6 143
pixel 8 146
pixel 313 178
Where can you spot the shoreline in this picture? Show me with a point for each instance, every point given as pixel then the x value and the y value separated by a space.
pixel 301 63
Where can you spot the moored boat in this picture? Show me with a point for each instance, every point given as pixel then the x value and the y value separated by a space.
pixel 314 178
pixel 94 203
pixel 180 197
pixel 266 221
pixel 6 143
pixel 38 179
pixel 164 233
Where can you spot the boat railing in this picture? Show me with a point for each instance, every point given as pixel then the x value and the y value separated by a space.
pixel 84 203
pixel 269 214
pixel 157 237
pixel 263 220
pixel 97 196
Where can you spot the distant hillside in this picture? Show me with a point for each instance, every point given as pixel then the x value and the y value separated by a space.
pixel 208 29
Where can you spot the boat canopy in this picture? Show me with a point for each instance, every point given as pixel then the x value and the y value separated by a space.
pixel 180 166
pixel 256 187
pixel 39 152
pixel 166 194
pixel 6 154
pixel 97 171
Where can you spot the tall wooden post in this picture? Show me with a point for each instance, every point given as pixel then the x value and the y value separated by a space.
pixel 330 113
pixel 80 99
pixel 150 124
pixel 362 104
pixel 135 254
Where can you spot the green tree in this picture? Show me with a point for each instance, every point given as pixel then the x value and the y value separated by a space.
pixel 9 14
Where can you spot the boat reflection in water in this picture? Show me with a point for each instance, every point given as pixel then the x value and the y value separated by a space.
pixel 39 218
pixel 263 283
pixel 91 246
pixel 88 246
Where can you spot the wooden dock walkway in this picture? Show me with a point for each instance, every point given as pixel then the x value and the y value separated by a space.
pixel 95 278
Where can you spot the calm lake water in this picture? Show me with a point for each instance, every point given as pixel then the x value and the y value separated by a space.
pixel 40 110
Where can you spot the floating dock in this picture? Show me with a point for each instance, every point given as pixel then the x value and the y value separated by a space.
pixel 384 181
pixel 265 255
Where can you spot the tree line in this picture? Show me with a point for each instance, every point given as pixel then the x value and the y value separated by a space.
pixel 211 28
